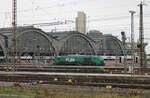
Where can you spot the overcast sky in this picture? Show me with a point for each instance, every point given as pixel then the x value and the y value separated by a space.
pixel 107 16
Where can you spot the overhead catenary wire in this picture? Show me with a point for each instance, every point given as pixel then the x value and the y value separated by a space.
pixel 37 8
pixel 104 19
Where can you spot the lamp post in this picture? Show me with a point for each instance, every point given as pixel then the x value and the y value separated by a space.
pixel 132 40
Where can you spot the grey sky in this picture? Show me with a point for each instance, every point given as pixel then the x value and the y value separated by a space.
pixel 108 16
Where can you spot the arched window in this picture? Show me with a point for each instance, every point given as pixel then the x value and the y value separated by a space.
pixel 112 47
pixel 77 44
pixel 33 43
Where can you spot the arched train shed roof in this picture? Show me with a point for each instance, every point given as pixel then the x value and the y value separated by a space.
pixel 114 44
pixel 73 41
pixel 26 35
pixel 109 43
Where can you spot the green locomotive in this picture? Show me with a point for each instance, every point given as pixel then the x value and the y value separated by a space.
pixel 79 60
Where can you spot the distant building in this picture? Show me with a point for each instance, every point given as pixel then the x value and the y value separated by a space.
pixel 81 22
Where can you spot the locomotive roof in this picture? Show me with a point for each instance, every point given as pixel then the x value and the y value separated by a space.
pixel 79 56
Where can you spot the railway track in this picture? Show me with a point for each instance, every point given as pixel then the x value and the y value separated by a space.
pixel 83 79
pixel 75 69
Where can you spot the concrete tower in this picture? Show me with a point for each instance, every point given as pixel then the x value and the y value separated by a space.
pixel 81 22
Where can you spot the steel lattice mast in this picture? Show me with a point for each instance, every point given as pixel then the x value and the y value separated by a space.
pixel 141 37
pixel 14 27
